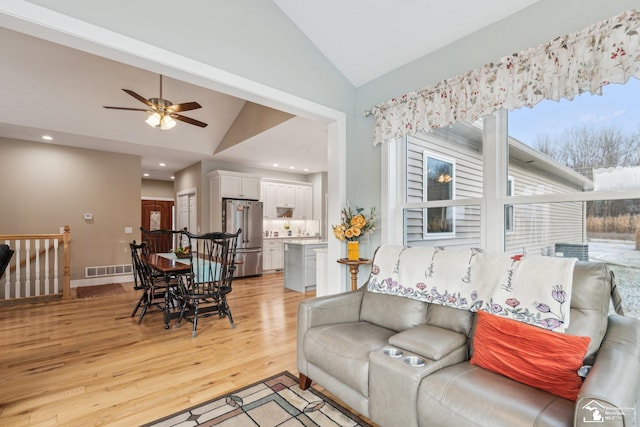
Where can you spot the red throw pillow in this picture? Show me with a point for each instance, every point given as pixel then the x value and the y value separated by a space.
pixel 528 354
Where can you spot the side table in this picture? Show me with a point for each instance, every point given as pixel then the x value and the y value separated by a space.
pixel 354 266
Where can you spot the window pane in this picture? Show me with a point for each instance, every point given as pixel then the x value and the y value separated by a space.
pixel 445 164
pixel 538 227
pixel 591 143
pixel 566 229
pixel 439 179
pixel 447 226
pixel 440 220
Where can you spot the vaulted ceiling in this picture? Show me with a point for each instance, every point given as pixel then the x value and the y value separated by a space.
pixel 52 89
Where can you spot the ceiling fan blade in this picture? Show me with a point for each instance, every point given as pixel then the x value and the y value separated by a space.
pixel 126 108
pixel 138 97
pixel 186 106
pixel 189 120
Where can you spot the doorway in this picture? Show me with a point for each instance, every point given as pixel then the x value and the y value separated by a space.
pixel 158 215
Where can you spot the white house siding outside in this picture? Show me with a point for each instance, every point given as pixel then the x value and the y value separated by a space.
pixel 536 227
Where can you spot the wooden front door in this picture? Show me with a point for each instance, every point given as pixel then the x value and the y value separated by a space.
pixel 158 215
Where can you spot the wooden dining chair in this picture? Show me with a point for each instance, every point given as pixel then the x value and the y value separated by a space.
pixel 205 290
pixel 162 240
pixel 5 257
pixel 153 288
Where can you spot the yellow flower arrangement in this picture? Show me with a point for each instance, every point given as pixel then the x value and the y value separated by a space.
pixel 354 224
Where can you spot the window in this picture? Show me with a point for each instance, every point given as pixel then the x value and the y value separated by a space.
pixel 439 184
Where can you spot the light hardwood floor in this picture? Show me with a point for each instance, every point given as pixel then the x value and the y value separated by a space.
pixel 87 362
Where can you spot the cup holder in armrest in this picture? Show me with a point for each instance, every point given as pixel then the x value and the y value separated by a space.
pixel 414 361
pixel 392 352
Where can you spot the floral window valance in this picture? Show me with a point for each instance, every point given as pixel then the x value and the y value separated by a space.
pixel 606 52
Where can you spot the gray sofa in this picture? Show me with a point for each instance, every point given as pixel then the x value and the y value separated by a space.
pixel 343 343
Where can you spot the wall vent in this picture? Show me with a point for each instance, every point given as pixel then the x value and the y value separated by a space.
pixel 108 270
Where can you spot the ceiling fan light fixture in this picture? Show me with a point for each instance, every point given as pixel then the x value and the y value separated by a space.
pixel 167 122
pixel 153 120
pixel 162 113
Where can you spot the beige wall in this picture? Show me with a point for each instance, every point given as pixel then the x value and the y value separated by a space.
pixel 46 186
pixel 156 189
pixel 190 179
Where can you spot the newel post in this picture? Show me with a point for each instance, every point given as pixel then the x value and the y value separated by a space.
pixel 66 272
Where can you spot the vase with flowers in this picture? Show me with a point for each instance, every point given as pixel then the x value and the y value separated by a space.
pixel 354 224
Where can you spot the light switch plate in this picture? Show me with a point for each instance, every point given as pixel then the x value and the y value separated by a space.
pixel 128 230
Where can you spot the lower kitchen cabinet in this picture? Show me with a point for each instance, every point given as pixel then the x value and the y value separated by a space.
pixel 300 264
pixel 272 255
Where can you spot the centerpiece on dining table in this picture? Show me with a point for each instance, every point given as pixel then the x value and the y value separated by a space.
pixel 182 252
pixel 354 225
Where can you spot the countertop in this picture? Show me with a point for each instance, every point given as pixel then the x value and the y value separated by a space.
pixel 305 242
pixel 292 238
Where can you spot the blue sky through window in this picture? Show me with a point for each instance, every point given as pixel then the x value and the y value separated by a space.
pixel 618 106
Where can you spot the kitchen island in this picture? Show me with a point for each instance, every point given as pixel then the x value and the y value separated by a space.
pixel 300 264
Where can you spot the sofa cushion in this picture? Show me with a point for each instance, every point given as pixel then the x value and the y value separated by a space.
pixel 392 312
pixel 342 350
pixel 531 355
pixel 590 304
pixel 429 341
pixel 465 394
pixel 451 318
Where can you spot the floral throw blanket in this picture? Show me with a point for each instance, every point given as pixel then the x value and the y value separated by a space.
pixel 530 289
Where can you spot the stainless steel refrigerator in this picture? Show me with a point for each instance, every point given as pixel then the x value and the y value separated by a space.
pixel 247 215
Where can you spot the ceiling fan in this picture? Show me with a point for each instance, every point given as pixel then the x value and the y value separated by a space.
pixel 162 112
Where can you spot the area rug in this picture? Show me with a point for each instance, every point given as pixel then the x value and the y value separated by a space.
pixel 99 290
pixel 275 401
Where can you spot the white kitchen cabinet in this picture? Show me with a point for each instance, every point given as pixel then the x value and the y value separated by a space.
pixel 285 196
pixel 268 198
pixel 239 187
pixel 231 185
pixel 272 255
pixel 304 202
pixel 287 199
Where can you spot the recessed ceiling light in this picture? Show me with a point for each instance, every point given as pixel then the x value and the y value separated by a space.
pixel 275 165
pixel 306 169
pixel 145 174
pixel 162 165
pixel 173 177
pixel 292 167
pixel 47 137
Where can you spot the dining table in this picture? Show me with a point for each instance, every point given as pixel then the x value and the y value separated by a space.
pixel 169 265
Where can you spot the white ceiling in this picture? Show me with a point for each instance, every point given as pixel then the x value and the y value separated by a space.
pixel 51 89
pixel 365 39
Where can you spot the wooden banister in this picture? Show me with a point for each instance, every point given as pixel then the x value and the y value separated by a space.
pixel 64 238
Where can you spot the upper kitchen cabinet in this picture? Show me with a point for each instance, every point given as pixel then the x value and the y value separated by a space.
pixel 287 199
pixel 229 185
pixel 304 202
pixel 235 185
pixel 268 198
pixel 285 196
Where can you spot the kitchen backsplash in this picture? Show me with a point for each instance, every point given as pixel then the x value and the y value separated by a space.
pixel 297 227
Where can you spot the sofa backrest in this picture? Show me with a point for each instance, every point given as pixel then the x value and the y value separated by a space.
pixel 392 312
pixel 592 283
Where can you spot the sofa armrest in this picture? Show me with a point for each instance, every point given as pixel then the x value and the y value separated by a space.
pixel 339 308
pixel 612 386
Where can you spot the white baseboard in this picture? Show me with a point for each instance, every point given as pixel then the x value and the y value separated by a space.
pixel 101 281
